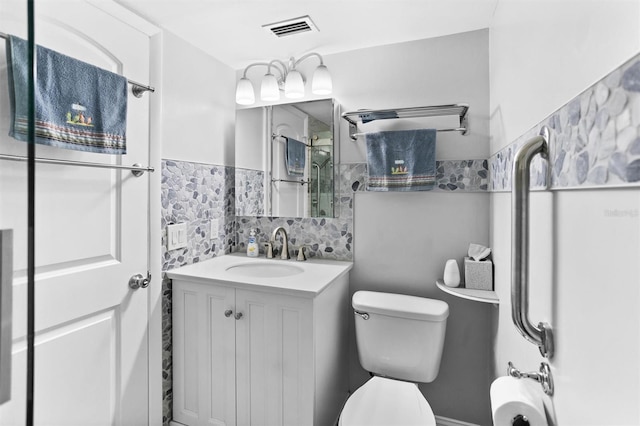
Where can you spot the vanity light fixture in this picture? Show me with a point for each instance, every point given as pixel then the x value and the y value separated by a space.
pixel 288 77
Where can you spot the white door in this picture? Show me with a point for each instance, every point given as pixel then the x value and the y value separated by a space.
pixel 91 355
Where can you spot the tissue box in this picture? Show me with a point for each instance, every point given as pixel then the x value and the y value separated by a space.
pixel 478 274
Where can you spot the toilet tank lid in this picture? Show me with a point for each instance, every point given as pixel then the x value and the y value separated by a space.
pixel 400 305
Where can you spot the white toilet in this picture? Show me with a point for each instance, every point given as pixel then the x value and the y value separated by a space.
pixel 400 340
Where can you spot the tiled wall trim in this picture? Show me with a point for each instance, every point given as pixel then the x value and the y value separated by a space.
pixel 455 175
pixel 594 139
pixel 462 175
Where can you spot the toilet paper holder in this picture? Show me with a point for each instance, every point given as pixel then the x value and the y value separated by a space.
pixel 543 376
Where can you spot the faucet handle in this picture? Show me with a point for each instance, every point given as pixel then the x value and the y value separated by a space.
pixel 268 248
pixel 301 255
pixel 285 253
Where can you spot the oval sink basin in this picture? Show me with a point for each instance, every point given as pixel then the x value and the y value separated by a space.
pixel 265 269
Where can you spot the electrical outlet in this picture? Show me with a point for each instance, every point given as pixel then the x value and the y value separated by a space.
pixel 213 229
pixel 176 236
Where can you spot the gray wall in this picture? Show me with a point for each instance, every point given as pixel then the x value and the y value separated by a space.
pixel 402 243
pixel 402 240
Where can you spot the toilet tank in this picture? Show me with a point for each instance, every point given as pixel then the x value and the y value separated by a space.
pixel 400 336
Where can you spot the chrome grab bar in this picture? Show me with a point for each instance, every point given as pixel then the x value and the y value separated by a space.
pixel 540 335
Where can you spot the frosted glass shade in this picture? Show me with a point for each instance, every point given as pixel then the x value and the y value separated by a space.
pixel 294 85
pixel 269 90
pixel 244 92
pixel 321 83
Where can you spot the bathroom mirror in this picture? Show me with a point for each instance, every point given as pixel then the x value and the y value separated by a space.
pixel 285 156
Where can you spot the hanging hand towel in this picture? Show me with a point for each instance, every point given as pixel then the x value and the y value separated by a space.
pixel 77 105
pixel 403 160
pixel 295 156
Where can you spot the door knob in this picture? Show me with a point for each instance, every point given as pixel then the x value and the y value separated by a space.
pixel 139 281
pixel 239 315
pixel 228 313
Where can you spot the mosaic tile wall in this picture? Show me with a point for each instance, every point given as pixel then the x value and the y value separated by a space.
pixel 327 238
pixel 195 194
pixel 462 175
pixel 594 139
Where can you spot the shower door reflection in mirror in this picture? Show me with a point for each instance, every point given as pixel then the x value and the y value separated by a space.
pixel 285 156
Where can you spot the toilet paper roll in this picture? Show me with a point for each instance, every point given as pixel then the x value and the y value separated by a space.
pixel 512 399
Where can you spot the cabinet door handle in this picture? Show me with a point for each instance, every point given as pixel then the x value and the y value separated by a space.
pixel 239 315
pixel 228 313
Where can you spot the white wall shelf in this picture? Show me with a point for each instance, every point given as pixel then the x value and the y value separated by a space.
pixel 484 296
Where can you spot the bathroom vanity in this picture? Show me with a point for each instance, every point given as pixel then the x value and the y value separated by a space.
pixel 260 341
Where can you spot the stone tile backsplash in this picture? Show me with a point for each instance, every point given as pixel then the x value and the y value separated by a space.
pixel 196 194
pixel 327 238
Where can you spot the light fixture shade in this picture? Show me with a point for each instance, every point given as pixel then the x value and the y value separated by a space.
pixel 321 83
pixel 294 85
pixel 269 90
pixel 244 92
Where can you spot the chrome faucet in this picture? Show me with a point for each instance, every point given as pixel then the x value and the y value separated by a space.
pixel 285 243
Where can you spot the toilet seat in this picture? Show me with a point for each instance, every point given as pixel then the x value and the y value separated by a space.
pixel 387 402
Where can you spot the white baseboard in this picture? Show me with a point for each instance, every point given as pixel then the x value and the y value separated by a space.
pixel 445 421
pixel 174 423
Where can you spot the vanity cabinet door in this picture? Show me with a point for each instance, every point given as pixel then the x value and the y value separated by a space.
pixel 242 357
pixel 274 359
pixel 203 354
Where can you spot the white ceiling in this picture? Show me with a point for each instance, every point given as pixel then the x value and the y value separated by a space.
pixel 231 30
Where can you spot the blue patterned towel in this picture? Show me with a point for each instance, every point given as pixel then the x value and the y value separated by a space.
pixel 296 153
pixel 402 160
pixel 78 106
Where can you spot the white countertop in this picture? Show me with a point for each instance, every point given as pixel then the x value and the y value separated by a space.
pixel 317 274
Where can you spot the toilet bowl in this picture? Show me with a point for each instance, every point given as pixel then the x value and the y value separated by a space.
pixel 400 340
pixel 386 402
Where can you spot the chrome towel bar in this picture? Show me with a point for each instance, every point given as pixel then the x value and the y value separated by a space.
pixel 353 117
pixel 136 169
pixel 137 89
pixel 540 335
pixel 301 182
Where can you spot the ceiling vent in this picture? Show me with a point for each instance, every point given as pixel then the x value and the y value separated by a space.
pixel 291 27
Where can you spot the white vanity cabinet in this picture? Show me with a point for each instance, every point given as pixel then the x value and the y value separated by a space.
pixel 258 356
